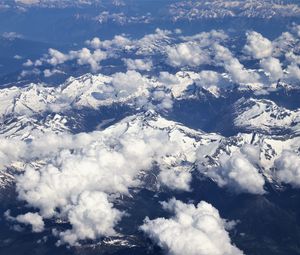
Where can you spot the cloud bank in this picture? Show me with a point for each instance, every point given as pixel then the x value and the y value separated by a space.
pixel 77 178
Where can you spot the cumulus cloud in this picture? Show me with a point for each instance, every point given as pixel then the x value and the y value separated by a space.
pixel 193 230
pixel 168 79
pixel 186 54
pixel 272 67
pixel 239 171
pixel 128 83
pixel 94 43
pixel 49 73
pixel 18 57
pixel 92 217
pixel 33 219
pixel 283 44
pixel 162 99
pixel 30 63
pixel 221 53
pixel 83 56
pixel 190 51
pixel 175 180
pixel 119 41
pixel 25 73
pixel 258 46
pixel 288 168
pixel 293 73
pixel 56 57
pixel 86 57
pixel 138 64
pixel 237 71
pixel 212 81
pixel 292 58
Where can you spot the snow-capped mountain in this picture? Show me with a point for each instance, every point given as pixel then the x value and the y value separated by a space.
pixel 22 127
pixel 149 127
pixel 190 10
pixel 143 152
pixel 207 148
pixel 94 91
pixel 194 10
pixel 262 115
pixel 192 145
pixel 87 91
pixel 50 4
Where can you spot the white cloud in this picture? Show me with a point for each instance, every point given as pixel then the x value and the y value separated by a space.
pixel 128 83
pixel 239 73
pixel 119 41
pixel 211 80
pixel 138 64
pixel 11 35
pixel 178 31
pixel 25 73
pixel 28 2
pixel 49 73
pixel 206 39
pixel 168 79
pixel 239 172
pixel 94 43
pixel 288 168
pixel 292 58
pixel 10 151
pixel 193 230
pixel 86 57
pixel 92 217
pixel 293 73
pixel 81 174
pixel 272 67
pixel 221 53
pixel 83 56
pixel 28 63
pixel 163 99
pixel 33 219
pixel 208 78
pixel 56 57
pixel 258 46
pixel 283 44
pixel 175 180
pixel 18 57
pixel 186 54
